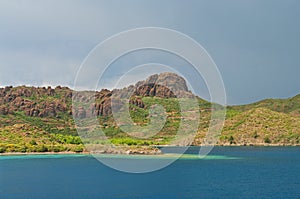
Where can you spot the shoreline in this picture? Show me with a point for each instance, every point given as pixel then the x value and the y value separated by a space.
pixel 44 153
pixel 90 153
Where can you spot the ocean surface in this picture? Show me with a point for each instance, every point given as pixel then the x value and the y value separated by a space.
pixel 229 172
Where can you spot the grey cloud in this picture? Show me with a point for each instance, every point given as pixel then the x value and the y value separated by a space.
pixel 254 43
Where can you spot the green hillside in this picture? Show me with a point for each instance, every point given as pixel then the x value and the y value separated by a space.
pixel 290 105
pixel 261 126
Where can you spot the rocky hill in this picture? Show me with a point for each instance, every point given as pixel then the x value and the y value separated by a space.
pixel 54 102
pixel 40 118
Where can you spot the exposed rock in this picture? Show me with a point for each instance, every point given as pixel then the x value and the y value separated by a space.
pixel 137 102
pixel 3 110
pixel 80 112
pixel 165 85
pixel 49 102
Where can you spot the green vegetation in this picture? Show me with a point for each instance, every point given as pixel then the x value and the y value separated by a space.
pixel 260 126
pixel 290 105
pixel 131 141
pixel 267 140
pixel 25 138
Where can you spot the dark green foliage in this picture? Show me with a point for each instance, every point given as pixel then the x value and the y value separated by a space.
pixel 32 142
pixel 2 149
pixel 231 139
pixel 41 148
pixel 255 135
pixel 267 140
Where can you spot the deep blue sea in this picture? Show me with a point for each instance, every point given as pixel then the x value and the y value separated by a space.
pixel 239 172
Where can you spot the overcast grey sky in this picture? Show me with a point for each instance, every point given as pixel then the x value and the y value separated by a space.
pixel 253 42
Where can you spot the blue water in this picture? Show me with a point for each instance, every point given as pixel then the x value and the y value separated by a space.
pixel 235 172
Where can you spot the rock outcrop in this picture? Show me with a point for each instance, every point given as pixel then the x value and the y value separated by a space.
pixel 35 101
pixel 164 85
pixel 52 102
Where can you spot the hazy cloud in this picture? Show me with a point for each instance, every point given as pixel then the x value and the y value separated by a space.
pixel 254 43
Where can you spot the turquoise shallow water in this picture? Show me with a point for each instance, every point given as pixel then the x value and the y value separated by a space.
pixel 113 156
pixel 228 172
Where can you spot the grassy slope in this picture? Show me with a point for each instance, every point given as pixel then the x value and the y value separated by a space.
pixel 261 126
pixel 290 105
pixel 28 138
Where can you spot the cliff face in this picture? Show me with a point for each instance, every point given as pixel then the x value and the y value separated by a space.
pixel 52 102
pixel 164 85
pixel 36 102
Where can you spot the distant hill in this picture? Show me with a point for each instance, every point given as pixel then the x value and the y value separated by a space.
pixel 39 119
pixel 290 105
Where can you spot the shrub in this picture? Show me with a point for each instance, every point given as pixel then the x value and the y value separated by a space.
pixel 267 140
pixel 2 149
pixel 42 148
pixel 11 148
pixel 32 142
pixel 22 149
pixel 78 149
pixel 57 149
pixel 255 135
pixel 231 139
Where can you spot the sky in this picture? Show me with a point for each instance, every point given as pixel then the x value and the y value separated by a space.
pixel 254 43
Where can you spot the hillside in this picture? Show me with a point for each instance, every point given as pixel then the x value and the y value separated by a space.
pixel 39 119
pixel 290 105
pixel 260 126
